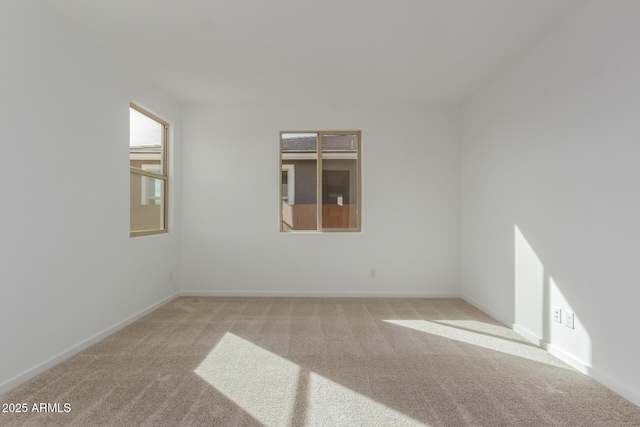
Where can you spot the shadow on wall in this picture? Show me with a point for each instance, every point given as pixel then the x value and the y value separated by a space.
pixel 543 313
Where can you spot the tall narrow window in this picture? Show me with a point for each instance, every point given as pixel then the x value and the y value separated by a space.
pixel 320 181
pixel 148 172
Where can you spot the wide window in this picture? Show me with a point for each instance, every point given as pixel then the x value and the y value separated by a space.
pixel 320 181
pixel 148 172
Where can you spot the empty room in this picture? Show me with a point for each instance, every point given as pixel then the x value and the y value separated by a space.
pixel 337 212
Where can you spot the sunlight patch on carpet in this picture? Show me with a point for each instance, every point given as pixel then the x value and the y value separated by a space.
pixel 264 385
pixel 331 404
pixel 260 382
pixel 482 340
pixel 484 328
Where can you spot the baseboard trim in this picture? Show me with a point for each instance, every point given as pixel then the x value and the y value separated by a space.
pixel 50 363
pixel 623 390
pixel 488 311
pixel 567 358
pixel 613 385
pixel 224 293
pixel 617 387
pixel 530 336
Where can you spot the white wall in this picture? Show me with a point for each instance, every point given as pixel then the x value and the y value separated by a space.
pixel 550 191
pixel 69 270
pixel 410 205
pixel 552 148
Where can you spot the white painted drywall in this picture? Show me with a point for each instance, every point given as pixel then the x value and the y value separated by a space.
pixel 552 147
pixel 410 205
pixel 69 270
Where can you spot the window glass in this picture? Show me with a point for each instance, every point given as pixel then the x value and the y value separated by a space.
pixel 147 201
pixel 339 181
pixel 146 140
pixel 328 178
pixel 299 193
pixel 148 178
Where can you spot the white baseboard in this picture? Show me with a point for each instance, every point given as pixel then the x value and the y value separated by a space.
pixel 297 294
pixel 508 323
pixel 48 364
pixel 617 387
pixel 613 385
pixel 567 358
pixel 530 336
pixel 623 390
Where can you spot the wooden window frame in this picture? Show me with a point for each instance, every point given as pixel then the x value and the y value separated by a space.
pixel 163 176
pixel 319 204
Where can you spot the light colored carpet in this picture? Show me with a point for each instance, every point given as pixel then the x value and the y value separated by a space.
pixel 318 362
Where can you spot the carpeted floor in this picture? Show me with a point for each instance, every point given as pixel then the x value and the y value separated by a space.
pixel 317 362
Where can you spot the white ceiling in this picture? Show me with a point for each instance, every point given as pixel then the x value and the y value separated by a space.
pixel 326 52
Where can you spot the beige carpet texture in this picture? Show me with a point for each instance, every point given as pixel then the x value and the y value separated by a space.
pixel 200 361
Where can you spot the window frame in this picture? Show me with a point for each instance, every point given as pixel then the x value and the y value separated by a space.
pixel 319 181
pixel 291 183
pixel 164 157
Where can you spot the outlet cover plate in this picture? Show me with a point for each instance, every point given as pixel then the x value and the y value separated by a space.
pixel 568 319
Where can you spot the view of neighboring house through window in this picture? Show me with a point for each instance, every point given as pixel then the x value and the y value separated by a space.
pixel 148 172
pixel 320 181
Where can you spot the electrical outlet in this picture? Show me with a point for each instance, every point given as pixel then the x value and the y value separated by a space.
pixel 372 273
pixel 171 276
pixel 568 319
pixel 557 314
